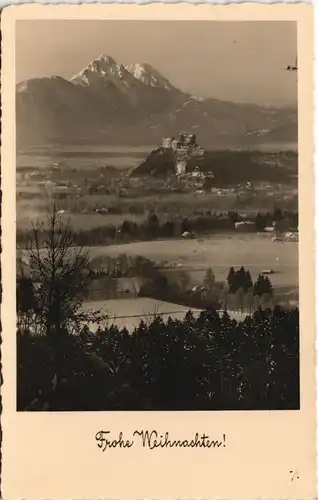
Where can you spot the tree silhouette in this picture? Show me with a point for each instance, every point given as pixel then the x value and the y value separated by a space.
pixel 183 280
pixel 263 286
pixel 239 298
pixel 231 280
pixel 27 305
pixel 248 283
pixel 209 280
pixel 239 279
pixel 249 302
pixel 224 297
pixel 61 273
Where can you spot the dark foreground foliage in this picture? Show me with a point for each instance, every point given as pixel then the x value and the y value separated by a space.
pixel 204 363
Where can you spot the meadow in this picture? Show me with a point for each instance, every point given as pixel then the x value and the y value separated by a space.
pixel 128 313
pixel 220 252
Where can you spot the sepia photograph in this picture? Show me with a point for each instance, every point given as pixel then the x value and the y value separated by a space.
pixel 158 252
pixel 157 215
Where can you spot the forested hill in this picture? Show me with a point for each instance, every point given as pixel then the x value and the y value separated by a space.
pixel 229 167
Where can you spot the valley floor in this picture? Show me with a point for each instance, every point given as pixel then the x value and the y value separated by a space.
pixel 220 252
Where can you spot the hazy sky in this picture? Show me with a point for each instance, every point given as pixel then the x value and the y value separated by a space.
pixel 236 61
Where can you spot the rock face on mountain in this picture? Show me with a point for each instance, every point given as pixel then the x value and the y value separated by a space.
pixel 111 103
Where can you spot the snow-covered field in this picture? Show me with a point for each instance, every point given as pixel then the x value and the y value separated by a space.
pixel 129 312
pixel 254 252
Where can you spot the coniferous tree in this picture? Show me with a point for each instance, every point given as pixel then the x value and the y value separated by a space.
pixel 248 283
pixel 266 302
pixel 231 280
pixel 263 285
pixel 224 297
pixel 239 298
pixel 249 302
pixel 240 276
pixel 209 280
pixel 183 281
pixel 206 362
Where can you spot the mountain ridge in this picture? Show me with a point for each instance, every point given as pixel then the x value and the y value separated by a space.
pixel 135 104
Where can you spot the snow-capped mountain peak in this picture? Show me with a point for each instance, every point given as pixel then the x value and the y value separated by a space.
pixel 105 68
pixel 106 59
pixel 146 74
pixel 108 100
pixel 100 68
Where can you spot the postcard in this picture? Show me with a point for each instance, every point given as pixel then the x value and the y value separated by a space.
pixel 158 306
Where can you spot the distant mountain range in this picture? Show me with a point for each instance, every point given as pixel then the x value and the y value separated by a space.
pixel 134 104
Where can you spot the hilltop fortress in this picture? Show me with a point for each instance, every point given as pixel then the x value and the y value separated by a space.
pixel 184 149
pixel 181 156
